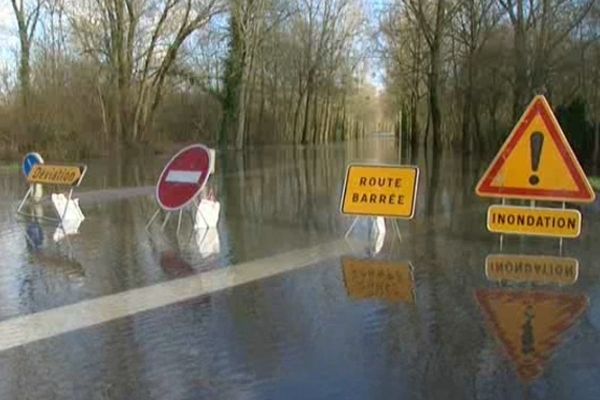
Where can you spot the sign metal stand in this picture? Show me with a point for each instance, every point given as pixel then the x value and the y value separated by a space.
pixel 182 180
pixel 56 175
pixel 535 163
pixel 380 190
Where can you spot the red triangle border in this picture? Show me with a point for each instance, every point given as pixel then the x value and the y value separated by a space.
pixel 538 107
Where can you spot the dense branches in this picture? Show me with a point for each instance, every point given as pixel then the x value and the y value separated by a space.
pixel 481 61
pixel 236 72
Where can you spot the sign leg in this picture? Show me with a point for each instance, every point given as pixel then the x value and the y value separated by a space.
pixel 560 247
pixel 560 241
pixel 398 231
pixel 22 203
pixel 165 221
pixel 179 221
pixel 351 228
pixel 62 217
pixel 69 246
pixel 502 236
pixel 152 218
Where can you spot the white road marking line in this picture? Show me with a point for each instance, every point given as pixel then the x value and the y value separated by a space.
pixel 26 329
pixel 175 176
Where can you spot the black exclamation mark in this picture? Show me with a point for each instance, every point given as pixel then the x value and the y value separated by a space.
pixel 536 142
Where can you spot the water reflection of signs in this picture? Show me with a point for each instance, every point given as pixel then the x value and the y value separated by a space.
pixel 530 325
pixel 35 235
pixel 173 265
pixel 375 279
pixel 67 266
pixel 533 269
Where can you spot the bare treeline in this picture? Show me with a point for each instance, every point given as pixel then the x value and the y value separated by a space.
pixel 90 75
pixel 460 72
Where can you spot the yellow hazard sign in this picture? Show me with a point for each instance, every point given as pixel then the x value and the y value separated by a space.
pixel 373 279
pixel 380 190
pixel 536 162
pixel 531 269
pixel 530 325
pixel 552 222
pixel 65 175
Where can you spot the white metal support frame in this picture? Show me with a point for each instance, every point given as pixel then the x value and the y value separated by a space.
pixel 395 226
pixel 59 218
pixel 194 210
pixel 192 201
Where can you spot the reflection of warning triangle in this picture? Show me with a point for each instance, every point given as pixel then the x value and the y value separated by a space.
pixel 536 162
pixel 530 324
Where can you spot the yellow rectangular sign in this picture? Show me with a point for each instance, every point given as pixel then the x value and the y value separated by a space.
pixel 65 175
pixel 380 190
pixel 551 222
pixel 374 279
pixel 531 269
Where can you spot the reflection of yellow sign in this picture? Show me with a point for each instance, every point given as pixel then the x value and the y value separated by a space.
pixel 534 221
pixel 374 279
pixel 536 162
pixel 534 269
pixel 380 190
pixel 66 175
pixel 530 325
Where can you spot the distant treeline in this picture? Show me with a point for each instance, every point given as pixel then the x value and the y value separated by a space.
pixel 94 75
pixel 461 72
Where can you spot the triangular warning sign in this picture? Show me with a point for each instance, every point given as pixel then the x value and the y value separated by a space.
pixel 530 324
pixel 536 162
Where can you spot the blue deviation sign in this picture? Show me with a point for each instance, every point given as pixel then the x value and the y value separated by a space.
pixel 29 161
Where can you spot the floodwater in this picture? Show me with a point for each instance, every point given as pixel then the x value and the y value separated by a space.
pixel 275 304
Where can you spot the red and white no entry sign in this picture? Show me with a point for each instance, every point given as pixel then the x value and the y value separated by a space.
pixel 184 177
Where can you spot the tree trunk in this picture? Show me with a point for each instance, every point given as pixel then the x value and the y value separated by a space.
pixel 297 138
pixel 520 63
pixel 434 77
pixel 596 156
pixel 241 117
pixel 309 95
pixel 315 119
pixel 476 139
pixel 26 24
pixel 414 122
pixel 466 123
pixel 25 72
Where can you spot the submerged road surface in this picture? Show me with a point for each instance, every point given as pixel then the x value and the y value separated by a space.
pixel 276 304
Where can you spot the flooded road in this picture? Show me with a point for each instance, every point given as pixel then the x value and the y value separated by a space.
pixel 277 305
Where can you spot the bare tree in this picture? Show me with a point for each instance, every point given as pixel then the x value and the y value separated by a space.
pixel 137 43
pixel 474 23
pixel 27 14
pixel 248 24
pixel 539 27
pixel 433 19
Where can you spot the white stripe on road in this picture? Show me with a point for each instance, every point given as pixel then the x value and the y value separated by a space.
pixel 175 176
pixel 26 329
